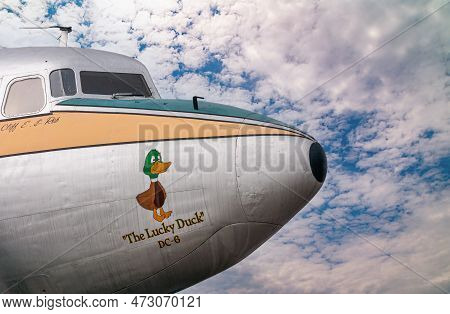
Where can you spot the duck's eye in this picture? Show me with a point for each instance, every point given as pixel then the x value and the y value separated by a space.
pixel 152 160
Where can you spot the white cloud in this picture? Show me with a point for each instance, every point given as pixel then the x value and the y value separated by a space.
pixel 297 261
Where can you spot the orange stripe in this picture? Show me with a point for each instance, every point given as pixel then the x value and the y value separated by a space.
pixel 65 130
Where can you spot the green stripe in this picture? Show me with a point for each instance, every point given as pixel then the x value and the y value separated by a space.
pixel 174 105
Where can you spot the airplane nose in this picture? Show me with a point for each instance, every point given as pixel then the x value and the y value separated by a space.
pixel 278 176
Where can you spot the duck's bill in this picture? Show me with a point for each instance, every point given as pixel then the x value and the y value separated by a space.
pixel 160 167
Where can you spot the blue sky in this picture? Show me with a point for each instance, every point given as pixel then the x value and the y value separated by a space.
pixel 381 221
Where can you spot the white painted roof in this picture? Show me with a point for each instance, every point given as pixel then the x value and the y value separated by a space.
pixel 19 61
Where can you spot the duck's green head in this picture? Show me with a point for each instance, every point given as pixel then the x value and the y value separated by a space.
pixel 154 164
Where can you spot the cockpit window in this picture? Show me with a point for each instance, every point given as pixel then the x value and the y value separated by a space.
pixel 25 96
pixel 62 83
pixel 106 83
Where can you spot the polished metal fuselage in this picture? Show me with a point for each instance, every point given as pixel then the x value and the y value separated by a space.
pixel 70 221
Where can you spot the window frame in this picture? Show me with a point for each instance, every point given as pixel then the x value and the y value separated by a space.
pixel 75 79
pixel 141 75
pixel 18 79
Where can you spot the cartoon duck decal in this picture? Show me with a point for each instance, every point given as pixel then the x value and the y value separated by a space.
pixel 153 199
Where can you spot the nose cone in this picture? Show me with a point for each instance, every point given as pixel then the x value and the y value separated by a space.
pixel 278 176
pixel 318 162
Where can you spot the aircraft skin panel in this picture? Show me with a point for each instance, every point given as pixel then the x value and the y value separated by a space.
pixel 66 130
pixel 71 214
pixel 277 173
pixel 95 186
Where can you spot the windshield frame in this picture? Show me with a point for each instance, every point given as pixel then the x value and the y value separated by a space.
pixel 118 77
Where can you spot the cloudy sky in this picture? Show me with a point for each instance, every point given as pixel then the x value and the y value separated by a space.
pixel 381 223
